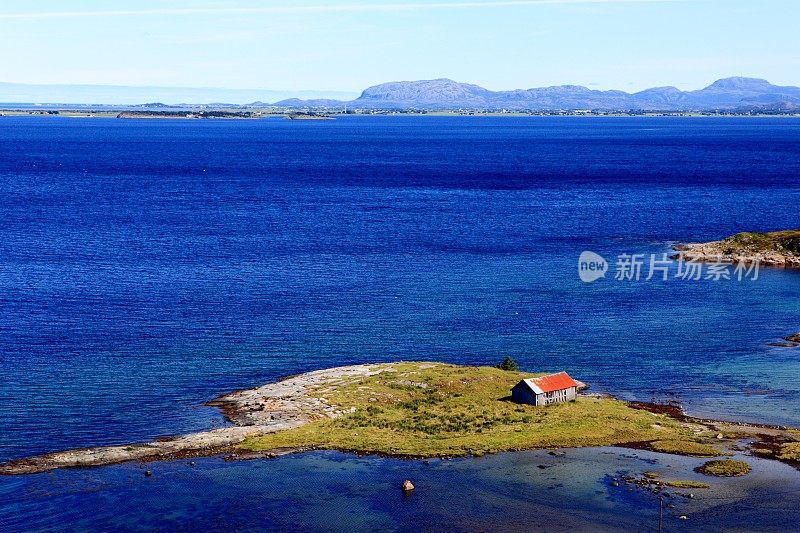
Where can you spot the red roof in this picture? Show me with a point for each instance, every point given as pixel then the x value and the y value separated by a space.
pixel 554 382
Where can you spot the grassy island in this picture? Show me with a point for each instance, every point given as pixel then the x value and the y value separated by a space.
pixel 725 468
pixel 777 241
pixel 432 409
pixel 687 484
pixel 779 248
pixel 425 410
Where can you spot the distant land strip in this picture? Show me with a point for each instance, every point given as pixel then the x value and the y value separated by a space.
pixel 737 95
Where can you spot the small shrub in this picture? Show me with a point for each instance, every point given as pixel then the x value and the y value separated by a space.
pixel 508 364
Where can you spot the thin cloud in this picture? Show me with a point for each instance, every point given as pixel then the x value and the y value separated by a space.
pixel 351 8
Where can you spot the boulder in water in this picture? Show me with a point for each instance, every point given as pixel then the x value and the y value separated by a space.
pixel 793 338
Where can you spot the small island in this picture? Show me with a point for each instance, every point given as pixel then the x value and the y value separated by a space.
pixel 778 248
pixel 189 114
pixel 419 410
pixel 309 115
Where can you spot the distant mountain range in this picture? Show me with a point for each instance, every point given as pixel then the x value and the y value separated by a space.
pixel 730 94
pixel 445 94
pixel 124 95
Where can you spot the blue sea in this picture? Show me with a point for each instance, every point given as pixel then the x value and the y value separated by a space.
pixel 148 266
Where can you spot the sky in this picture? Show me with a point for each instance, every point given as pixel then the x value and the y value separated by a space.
pixel 343 46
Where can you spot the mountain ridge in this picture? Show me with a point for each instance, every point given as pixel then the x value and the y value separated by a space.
pixel 739 94
pixel 444 93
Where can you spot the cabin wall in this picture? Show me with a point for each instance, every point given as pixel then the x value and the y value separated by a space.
pixel 522 394
pixel 559 396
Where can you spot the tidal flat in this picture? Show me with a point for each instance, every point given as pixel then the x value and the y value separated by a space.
pixel 570 489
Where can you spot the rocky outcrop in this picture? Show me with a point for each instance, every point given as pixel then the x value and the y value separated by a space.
pixel 288 403
pixel 278 406
pixel 780 248
pixel 203 443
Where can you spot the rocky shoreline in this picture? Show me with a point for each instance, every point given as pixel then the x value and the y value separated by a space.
pixel 780 249
pixel 714 252
pixel 278 406
pixel 289 403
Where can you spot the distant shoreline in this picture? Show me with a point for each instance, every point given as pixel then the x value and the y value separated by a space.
pixel 736 95
pixel 255 114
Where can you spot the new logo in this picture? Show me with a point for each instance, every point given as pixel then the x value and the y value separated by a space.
pixel 591 267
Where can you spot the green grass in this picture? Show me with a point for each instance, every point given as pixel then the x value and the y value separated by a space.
pixel 787 451
pixel 725 468
pixel 684 446
pixel 779 241
pixel 790 451
pixel 687 484
pixel 429 409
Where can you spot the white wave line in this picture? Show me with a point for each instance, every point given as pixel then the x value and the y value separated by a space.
pixel 347 8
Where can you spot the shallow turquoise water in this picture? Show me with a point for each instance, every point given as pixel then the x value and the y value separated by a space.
pixel 330 491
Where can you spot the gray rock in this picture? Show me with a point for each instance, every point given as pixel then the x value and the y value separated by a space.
pixel 793 338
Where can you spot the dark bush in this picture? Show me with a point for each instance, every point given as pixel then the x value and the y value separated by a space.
pixel 508 364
